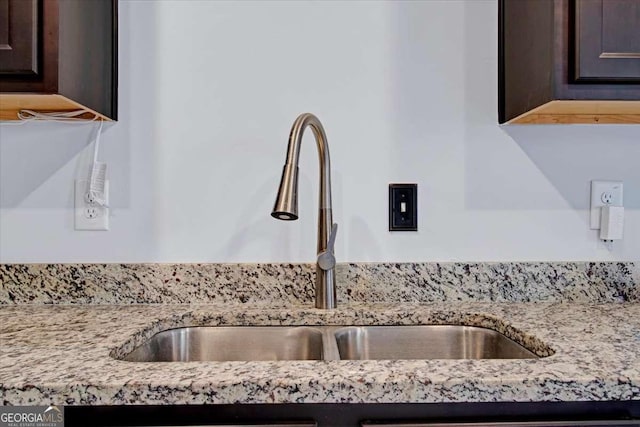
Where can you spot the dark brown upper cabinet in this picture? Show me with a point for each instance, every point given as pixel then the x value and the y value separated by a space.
pixel 19 34
pixel 58 55
pixel 569 61
pixel 607 41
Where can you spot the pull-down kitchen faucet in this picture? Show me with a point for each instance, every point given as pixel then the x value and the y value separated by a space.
pixel 286 207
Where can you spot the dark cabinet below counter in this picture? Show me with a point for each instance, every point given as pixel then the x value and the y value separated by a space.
pixel 569 61
pixel 493 414
pixel 58 55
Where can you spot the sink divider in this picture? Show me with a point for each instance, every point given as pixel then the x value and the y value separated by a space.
pixel 330 343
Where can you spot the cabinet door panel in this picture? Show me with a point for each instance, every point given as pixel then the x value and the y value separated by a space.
pixel 19 35
pixel 607 41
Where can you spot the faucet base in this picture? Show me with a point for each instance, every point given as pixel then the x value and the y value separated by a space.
pixel 325 288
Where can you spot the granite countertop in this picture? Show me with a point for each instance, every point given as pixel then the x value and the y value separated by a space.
pixel 62 354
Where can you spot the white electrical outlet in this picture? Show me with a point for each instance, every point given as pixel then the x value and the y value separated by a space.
pixel 604 193
pixel 88 215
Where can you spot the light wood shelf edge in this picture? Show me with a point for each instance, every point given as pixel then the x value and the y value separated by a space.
pixel 582 112
pixel 11 103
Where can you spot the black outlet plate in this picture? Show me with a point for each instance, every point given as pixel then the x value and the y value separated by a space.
pixel 403 217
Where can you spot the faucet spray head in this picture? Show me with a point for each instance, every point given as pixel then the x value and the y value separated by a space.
pixel 286 206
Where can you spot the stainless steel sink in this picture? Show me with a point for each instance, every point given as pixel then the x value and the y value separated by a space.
pixel 426 342
pixel 230 343
pixel 247 343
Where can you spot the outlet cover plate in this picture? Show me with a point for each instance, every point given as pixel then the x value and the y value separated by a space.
pixel 87 216
pixel 613 190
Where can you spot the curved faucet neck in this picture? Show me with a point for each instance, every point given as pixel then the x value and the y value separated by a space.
pixel 293 153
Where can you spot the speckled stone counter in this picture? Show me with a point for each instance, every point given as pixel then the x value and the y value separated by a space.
pixel 62 354
pixel 64 326
pixel 583 282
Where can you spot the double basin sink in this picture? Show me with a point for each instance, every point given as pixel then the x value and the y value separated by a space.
pixel 262 343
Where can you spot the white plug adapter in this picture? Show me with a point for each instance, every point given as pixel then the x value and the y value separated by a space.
pixel 611 222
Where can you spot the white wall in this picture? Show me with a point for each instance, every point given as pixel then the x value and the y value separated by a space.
pixel 407 93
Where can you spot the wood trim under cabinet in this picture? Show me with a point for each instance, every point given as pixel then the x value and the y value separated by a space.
pixel 11 103
pixel 582 112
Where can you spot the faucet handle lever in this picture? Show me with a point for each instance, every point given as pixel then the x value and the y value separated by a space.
pixel 332 237
pixel 326 258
